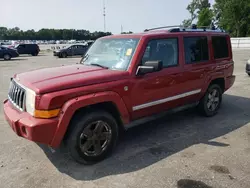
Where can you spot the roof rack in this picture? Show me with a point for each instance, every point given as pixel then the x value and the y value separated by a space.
pixel 163 27
pixel 193 28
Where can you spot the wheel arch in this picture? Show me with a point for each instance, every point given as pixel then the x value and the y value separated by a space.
pixel 109 101
pixel 107 106
pixel 220 82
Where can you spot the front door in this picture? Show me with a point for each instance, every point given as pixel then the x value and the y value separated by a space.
pixel 158 91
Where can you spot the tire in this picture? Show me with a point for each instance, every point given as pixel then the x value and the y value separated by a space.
pixel 213 97
pixel 248 74
pixel 64 55
pixel 84 133
pixel 7 57
pixel 34 54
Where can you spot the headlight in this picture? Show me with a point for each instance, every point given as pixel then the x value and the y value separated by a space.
pixel 30 107
pixel 30 101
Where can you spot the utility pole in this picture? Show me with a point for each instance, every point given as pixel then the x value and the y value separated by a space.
pixel 121 29
pixel 104 15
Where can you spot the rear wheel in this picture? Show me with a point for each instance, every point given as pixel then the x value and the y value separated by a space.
pixel 92 138
pixel 7 57
pixel 34 54
pixel 210 103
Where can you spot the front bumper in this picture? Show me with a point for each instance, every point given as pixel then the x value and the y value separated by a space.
pixel 14 54
pixel 56 53
pixel 26 126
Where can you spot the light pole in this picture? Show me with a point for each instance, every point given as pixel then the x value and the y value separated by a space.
pixel 104 15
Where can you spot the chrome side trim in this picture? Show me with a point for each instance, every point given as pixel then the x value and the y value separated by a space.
pixel 146 105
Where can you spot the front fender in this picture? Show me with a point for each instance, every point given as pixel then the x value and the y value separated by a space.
pixel 71 106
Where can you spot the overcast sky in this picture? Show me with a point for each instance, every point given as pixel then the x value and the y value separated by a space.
pixel 134 15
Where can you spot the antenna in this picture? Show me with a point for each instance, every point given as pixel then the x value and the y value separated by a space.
pixel 121 29
pixel 104 15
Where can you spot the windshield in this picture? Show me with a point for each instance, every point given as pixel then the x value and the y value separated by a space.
pixel 112 53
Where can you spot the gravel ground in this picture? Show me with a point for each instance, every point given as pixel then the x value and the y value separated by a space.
pixel 183 150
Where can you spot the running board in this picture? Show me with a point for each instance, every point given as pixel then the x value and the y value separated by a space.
pixel 159 115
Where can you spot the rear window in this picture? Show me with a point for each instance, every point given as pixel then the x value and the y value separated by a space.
pixel 196 49
pixel 220 47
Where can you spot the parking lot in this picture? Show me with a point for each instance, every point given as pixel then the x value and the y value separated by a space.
pixel 183 150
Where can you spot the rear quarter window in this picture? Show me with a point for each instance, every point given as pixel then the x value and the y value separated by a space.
pixel 220 47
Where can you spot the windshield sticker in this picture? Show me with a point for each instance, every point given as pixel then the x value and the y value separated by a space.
pixel 129 52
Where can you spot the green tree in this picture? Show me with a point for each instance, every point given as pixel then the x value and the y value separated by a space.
pixel 49 34
pixel 205 17
pixel 129 32
pixel 192 7
pixel 234 16
pixel 199 9
pixel 3 33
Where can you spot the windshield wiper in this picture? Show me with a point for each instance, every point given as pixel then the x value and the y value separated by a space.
pixel 98 65
pixel 84 58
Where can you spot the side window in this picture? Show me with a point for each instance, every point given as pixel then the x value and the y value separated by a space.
pixel 220 47
pixel 21 46
pixel 72 47
pixel 196 49
pixel 165 50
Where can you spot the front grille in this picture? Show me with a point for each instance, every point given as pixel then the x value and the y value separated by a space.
pixel 17 95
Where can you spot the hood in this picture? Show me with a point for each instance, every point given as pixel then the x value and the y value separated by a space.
pixel 60 50
pixel 65 77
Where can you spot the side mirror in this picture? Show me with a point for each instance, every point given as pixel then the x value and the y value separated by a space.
pixel 149 67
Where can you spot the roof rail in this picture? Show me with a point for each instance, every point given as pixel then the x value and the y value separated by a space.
pixel 193 28
pixel 163 27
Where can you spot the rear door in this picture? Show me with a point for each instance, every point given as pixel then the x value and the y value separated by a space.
pixel 81 49
pixel 73 50
pixel 197 62
pixel 21 49
pixel 78 50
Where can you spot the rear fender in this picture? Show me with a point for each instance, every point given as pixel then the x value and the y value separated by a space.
pixel 209 79
pixel 71 106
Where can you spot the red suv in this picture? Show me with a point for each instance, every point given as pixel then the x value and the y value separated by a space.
pixel 121 80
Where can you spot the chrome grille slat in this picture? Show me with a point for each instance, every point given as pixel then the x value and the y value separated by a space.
pixel 14 94
pixel 23 100
pixel 19 102
pixel 11 90
pixel 17 95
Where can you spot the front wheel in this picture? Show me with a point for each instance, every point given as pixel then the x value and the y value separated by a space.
pixel 210 103
pixel 6 57
pixel 93 137
pixel 248 74
pixel 64 55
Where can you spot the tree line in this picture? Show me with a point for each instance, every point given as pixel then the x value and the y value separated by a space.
pixel 49 34
pixel 230 15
